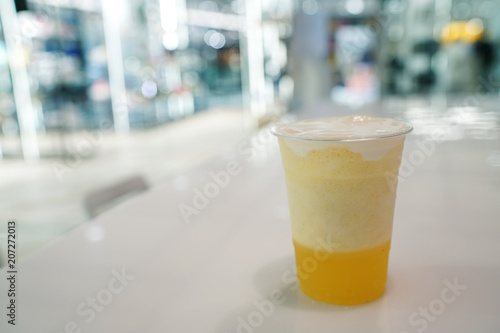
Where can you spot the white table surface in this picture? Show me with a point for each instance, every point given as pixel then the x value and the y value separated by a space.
pixel 230 269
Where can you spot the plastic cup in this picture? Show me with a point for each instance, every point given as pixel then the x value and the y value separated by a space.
pixel 341 177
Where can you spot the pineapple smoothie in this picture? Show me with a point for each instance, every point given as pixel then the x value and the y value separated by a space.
pixel 341 204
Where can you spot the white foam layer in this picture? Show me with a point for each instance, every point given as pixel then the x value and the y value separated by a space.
pixel 372 150
pixel 369 136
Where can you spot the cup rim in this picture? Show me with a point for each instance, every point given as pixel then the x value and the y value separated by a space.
pixel 277 131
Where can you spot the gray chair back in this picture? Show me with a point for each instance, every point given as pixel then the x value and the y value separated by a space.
pixel 101 200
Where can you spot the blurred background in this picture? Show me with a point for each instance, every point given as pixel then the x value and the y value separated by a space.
pixel 93 92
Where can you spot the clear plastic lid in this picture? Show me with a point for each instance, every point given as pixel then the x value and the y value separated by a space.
pixel 348 128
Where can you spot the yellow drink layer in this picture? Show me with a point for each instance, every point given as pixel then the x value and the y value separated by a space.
pixel 345 278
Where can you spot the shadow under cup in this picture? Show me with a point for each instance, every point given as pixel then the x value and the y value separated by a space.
pixel 341 194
